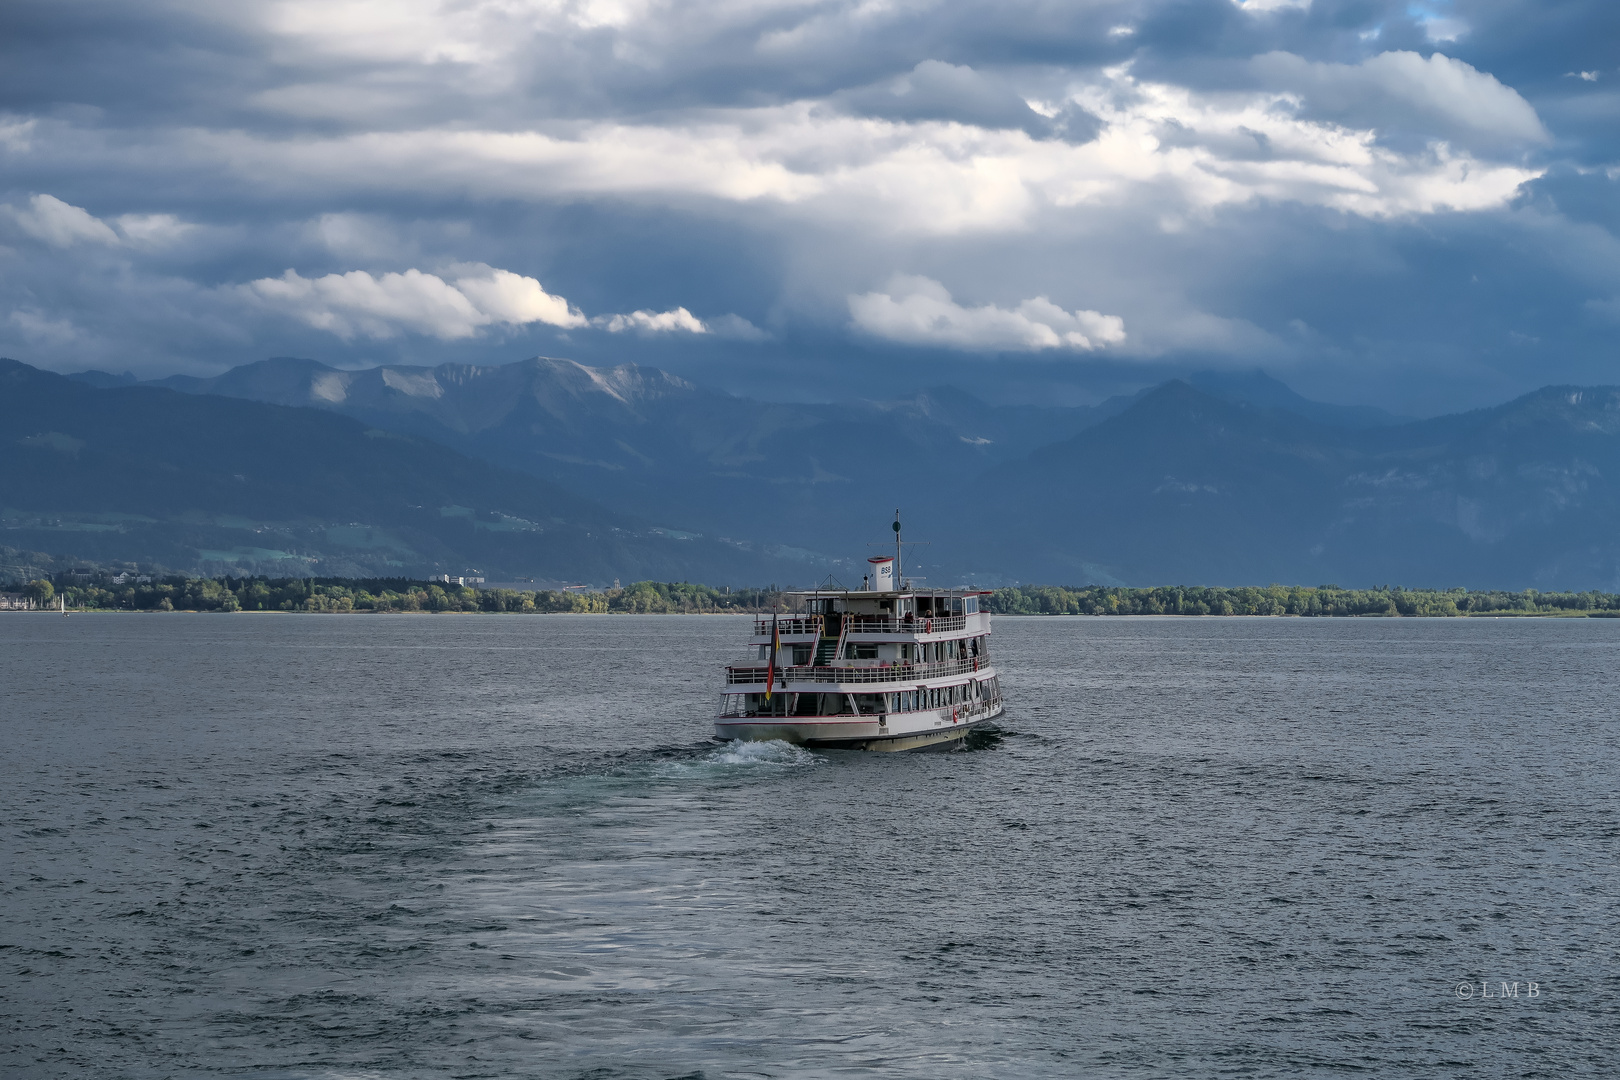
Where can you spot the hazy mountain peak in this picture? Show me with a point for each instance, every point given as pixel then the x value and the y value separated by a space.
pixel 103 379
pixel 624 383
pixel 1256 387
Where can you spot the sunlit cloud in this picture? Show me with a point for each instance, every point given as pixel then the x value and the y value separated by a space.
pixel 357 304
pixel 653 322
pixel 919 311
pixel 1260 6
pixel 59 224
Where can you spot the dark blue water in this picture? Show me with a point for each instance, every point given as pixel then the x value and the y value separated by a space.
pixel 377 847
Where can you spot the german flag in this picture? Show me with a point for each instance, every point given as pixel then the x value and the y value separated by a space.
pixel 776 645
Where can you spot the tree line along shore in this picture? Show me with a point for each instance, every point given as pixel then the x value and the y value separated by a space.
pixel 105 592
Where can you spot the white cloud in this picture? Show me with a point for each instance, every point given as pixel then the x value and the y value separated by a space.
pixel 920 311
pixel 17 135
pixel 1609 309
pixel 1441 29
pixel 736 328
pixel 1443 96
pixel 512 298
pixel 1258 6
pixel 155 230
pixel 473 32
pixel 468 299
pixel 1184 150
pixel 679 320
pixel 653 322
pixel 61 224
pixel 357 304
pixel 41 328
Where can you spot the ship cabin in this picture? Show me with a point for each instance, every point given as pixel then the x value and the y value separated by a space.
pixel 870 652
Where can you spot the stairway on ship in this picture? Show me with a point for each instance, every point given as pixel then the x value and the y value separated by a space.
pixel 827 644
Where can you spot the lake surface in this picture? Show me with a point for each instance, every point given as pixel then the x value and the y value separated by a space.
pixel 377 847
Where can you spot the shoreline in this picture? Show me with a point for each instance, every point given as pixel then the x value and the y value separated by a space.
pixel 1593 614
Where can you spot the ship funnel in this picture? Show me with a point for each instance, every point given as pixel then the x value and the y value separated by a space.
pixel 881 578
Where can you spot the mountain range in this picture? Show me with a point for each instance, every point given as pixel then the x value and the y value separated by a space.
pixel 216 484
pixel 1224 478
pixel 1187 487
pixel 692 458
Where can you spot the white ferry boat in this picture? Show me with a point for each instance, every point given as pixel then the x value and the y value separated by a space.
pixel 885 667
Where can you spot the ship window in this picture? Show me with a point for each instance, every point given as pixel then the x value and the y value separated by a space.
pixel 801 655
pixel 758 706
pixel 970 605
pixel 854 650
pixel 817 704
pixel 869 704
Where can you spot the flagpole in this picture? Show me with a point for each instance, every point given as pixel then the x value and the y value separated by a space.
pixel 776 645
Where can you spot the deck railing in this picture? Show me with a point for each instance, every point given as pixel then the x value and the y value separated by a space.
pixel 902 672
pixel 792 624
pixel 862 624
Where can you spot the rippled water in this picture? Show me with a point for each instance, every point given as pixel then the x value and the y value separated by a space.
pixel 287 846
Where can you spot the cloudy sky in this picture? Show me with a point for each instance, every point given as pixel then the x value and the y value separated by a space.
pixel 1407 204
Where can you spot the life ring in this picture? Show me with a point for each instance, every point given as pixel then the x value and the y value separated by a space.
pixel 928 626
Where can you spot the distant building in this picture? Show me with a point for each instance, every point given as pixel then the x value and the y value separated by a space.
pixel 15 601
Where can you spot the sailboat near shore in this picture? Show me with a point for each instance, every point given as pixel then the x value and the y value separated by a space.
pixel 884 667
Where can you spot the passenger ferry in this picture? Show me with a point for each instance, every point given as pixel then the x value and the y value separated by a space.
pixel 885 667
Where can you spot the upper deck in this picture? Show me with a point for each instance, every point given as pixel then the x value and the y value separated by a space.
pixel 905 612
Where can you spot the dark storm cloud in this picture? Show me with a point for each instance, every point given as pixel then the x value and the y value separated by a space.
pixel 1372 198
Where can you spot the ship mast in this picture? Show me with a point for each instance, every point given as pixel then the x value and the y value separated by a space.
pixel 897 578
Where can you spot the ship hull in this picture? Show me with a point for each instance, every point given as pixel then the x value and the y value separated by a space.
pixel 911 731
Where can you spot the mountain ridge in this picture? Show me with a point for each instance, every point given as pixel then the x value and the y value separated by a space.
pixel 1187 482
pixel 1226 494
pixel 149 474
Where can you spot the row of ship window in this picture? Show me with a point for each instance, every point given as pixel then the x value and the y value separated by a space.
pixel 904 652
pixel 920 606
pixel 827 704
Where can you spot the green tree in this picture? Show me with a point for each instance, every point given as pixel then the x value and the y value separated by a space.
pixel 40 591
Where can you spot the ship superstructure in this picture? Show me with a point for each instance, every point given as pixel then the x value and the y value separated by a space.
pixel 886 667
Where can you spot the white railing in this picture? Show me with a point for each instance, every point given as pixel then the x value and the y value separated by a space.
pixel 902 672
pixel 863 624
pixel 792 625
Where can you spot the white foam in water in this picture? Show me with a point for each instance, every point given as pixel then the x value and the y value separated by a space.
pixel 773 754
pixel 767 752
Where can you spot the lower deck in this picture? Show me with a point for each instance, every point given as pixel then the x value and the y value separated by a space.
pixel 885 731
